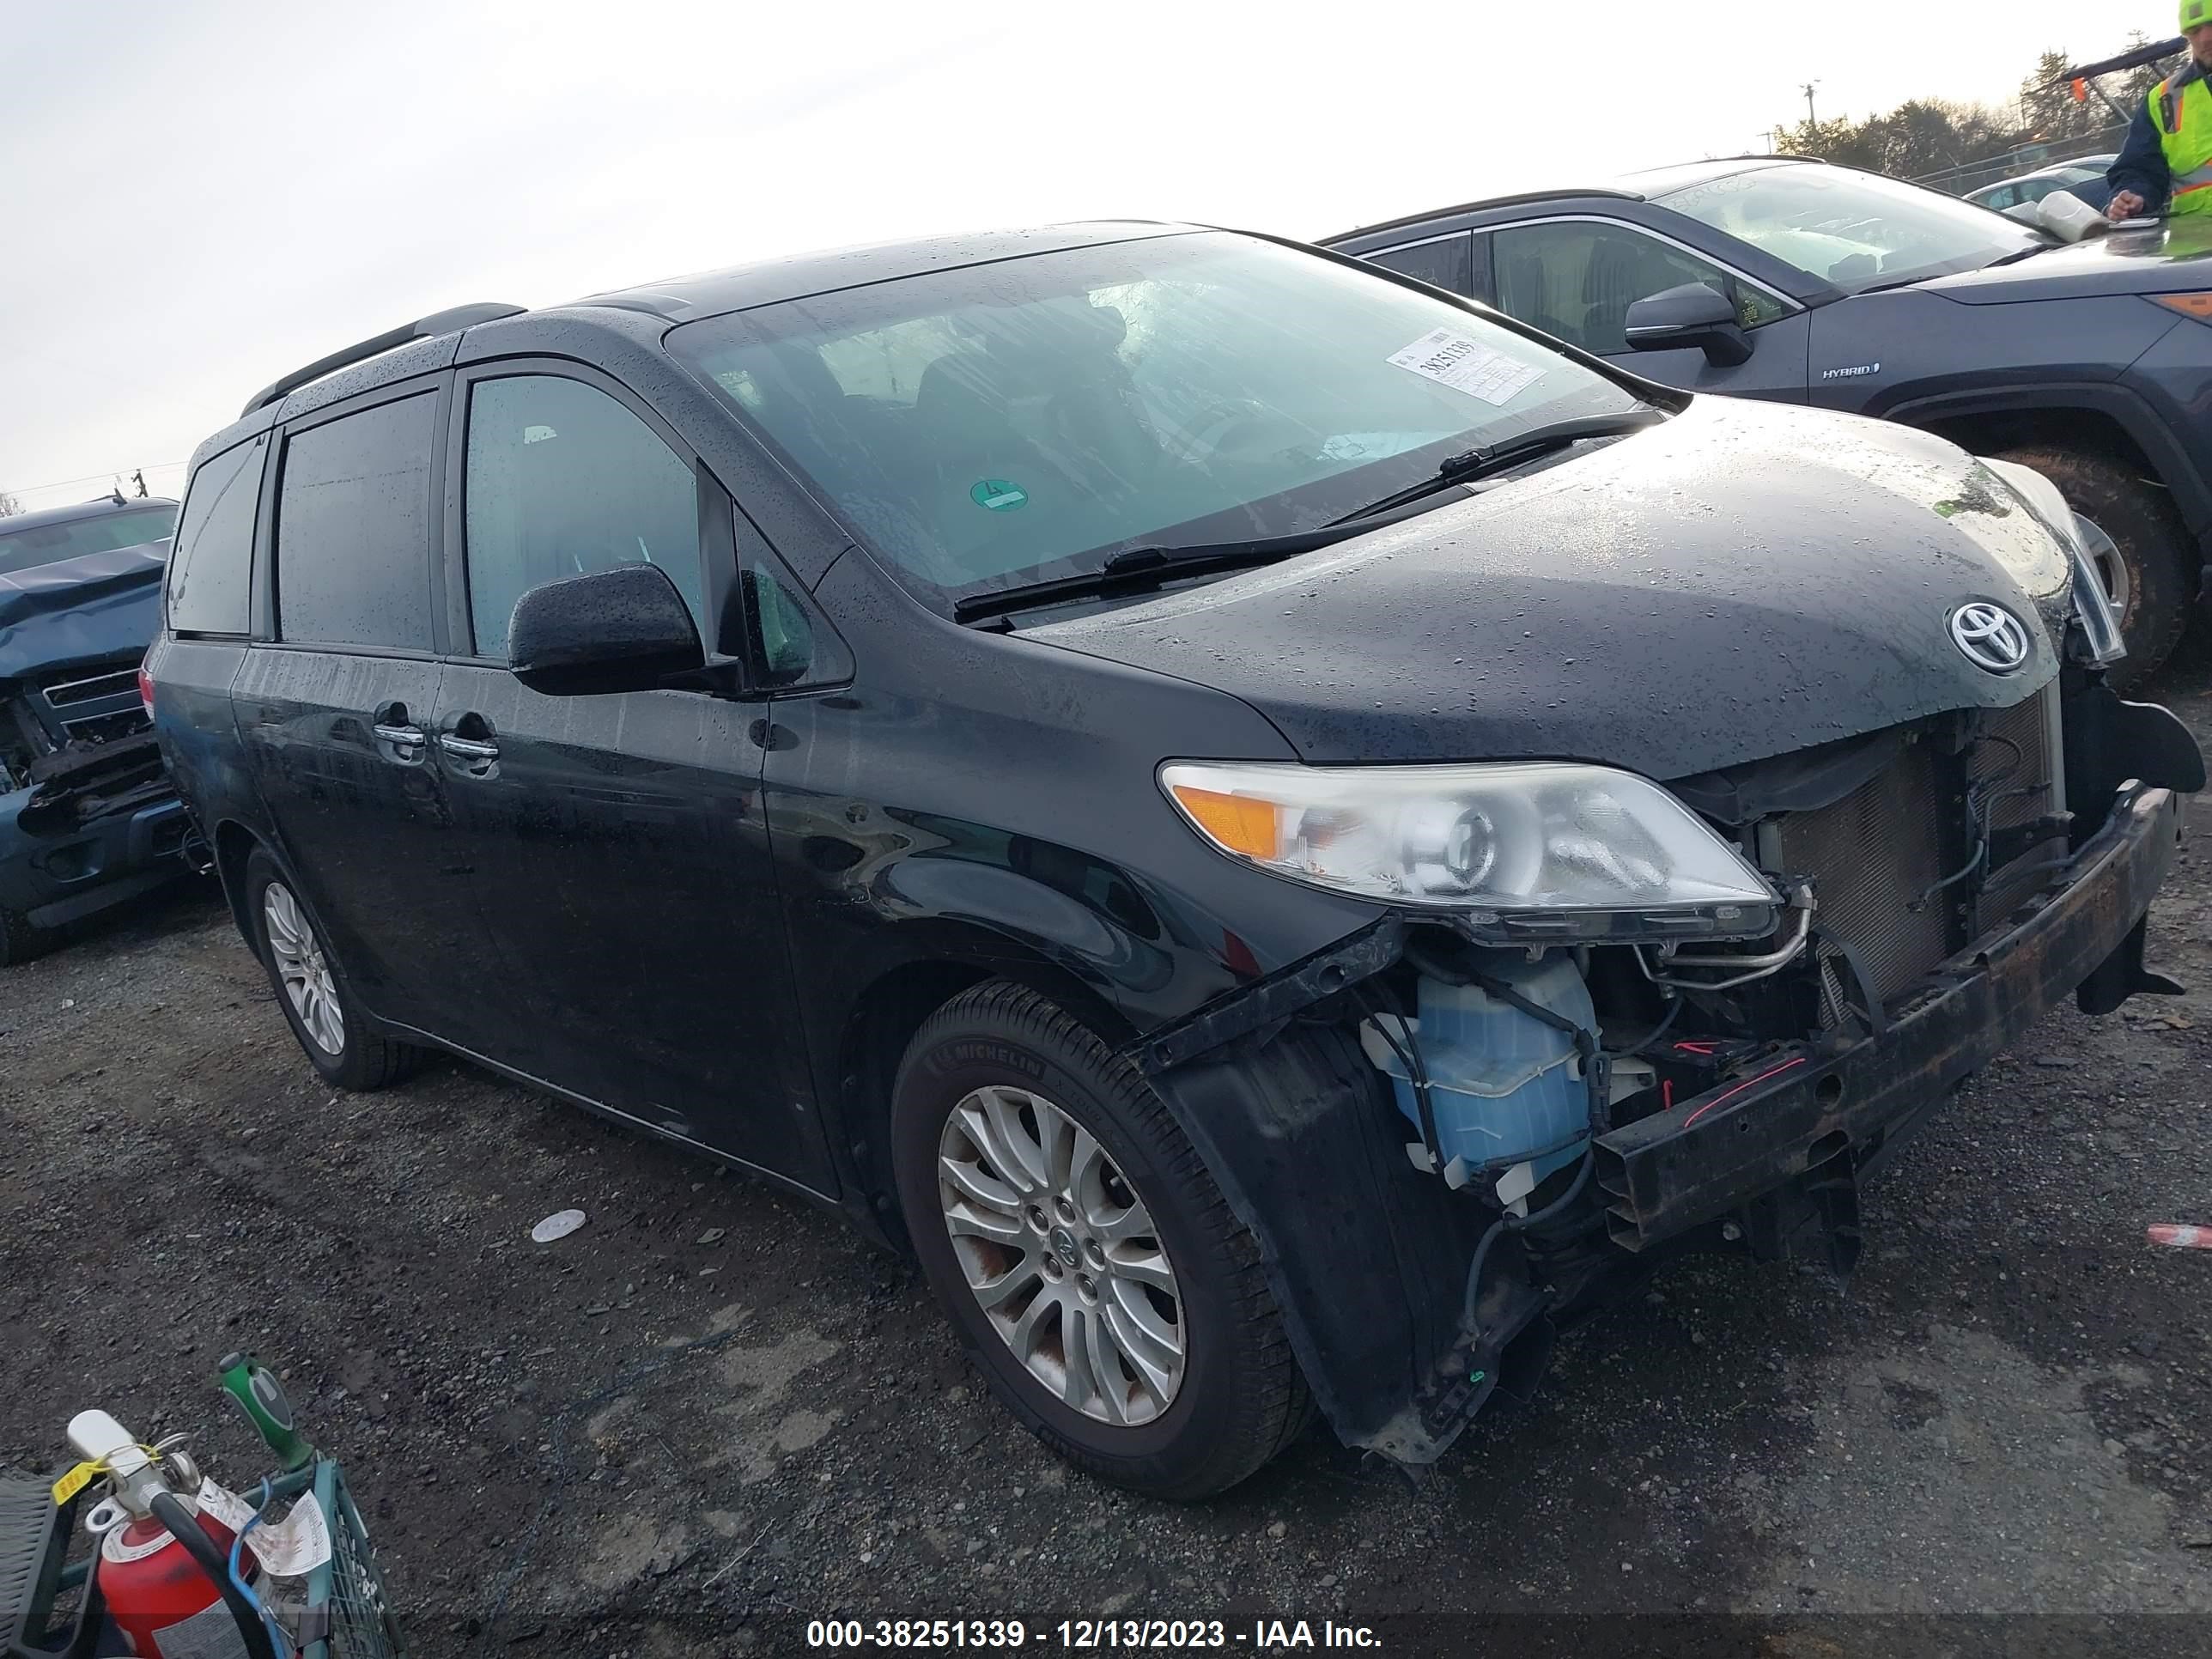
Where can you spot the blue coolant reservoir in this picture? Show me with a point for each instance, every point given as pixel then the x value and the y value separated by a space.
pixel 1502 1083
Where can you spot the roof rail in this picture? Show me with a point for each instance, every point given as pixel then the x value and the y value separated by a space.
pixel 422 328
pixel 1514 200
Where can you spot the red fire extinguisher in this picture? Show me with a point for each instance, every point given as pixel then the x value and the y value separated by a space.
pixel 163 1564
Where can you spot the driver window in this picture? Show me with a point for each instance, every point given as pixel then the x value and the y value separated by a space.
pixel 562 480
pixel 1575 280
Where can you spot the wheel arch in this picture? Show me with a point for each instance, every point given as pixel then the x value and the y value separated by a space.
pixel 233 844
pixel 944 960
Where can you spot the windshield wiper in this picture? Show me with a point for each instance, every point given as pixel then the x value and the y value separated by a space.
pixel 1135 569
pixel 1140 569
pixel 1472 464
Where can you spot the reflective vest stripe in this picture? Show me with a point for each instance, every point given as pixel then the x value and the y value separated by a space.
pixel 2181 108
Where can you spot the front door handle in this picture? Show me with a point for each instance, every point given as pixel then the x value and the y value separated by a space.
pixel 471 746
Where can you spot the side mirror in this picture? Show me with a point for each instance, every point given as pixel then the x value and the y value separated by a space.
pixel 1694 315
pixel 623 629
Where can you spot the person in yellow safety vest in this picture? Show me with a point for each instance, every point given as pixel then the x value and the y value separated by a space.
pixel 2167 158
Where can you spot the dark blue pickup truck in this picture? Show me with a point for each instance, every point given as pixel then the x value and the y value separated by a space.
pixel 87 817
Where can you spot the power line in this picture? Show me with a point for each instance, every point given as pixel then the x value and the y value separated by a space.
pixel 94 477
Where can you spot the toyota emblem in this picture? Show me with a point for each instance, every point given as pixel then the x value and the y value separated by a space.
pixel 1991 635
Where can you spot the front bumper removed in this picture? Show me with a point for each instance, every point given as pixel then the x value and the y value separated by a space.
pixel 1806 1118
pixel 1368 1258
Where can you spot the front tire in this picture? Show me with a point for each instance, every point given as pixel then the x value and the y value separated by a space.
pixel 1085 1257
pixel 311 991
pixel 2153 581
pixel 22 939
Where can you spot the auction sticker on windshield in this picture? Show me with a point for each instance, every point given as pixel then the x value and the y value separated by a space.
pixel 1467 366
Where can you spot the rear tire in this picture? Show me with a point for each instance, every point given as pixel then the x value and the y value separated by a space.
pixel 1152 1354
pixel 2159 568
pixel 312 990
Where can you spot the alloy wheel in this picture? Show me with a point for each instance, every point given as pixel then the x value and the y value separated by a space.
pixel 1062 1255
pixel 303 969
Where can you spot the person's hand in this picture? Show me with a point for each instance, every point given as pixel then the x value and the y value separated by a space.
pixel 2124 204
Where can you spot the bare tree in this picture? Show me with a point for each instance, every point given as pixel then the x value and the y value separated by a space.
pixel 9 505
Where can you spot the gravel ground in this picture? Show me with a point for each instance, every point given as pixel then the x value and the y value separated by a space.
pixel 714 1413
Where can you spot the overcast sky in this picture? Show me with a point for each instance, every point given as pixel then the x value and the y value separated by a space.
pixel 198 195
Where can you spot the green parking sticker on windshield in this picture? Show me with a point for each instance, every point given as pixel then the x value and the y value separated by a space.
pixel 998 496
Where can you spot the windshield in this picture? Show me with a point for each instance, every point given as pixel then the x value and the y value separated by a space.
pixel 1023 421
pixel 21 549
pixel 1853 229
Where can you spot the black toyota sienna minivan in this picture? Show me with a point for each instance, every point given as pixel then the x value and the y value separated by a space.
pixel 1284 834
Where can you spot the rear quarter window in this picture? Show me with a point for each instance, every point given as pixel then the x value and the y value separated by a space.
pixel 353 529
pixel 211 569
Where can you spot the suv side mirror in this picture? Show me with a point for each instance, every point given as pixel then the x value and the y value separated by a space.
pixel 1694 315
pixel 623 629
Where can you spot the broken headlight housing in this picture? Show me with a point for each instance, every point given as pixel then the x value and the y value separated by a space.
pixel 2093 606
pixel 1514 852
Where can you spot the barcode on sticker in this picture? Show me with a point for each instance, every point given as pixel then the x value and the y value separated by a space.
pixel 1466 364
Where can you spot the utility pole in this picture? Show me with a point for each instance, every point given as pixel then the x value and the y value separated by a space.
pixel 140 474
pixel 1810 120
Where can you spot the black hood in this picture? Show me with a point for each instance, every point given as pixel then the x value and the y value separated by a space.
pixel 1747 579
pixel 2174 256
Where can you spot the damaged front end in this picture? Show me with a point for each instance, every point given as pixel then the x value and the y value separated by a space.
pixel 87 815
pixel 1459 1130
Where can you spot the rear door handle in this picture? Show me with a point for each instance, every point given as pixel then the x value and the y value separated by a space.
pixel 467 749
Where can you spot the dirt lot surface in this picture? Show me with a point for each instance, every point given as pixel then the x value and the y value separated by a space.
pixel 714 1413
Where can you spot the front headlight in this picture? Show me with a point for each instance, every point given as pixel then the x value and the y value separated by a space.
pixel 2092 605
pixel 1517 851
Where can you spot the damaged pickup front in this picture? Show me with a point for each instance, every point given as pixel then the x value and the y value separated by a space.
pixel 87 815
pixel 1449 1145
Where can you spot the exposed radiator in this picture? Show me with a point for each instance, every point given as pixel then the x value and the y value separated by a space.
pixel 1877 855
pixel 2019 788
pixel 1872 856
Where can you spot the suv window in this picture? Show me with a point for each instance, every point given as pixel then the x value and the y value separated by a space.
pixel 1446 263
pixel 353 529
pixel 211 568
pixel 562 480
pixel 1575 279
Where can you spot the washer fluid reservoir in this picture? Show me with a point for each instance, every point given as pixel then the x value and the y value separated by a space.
pixel 1507 1088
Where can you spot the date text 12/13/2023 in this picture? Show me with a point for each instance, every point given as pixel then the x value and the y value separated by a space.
pixel 1264 1635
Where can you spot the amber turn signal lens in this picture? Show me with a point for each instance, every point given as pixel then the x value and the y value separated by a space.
pixel 1243 824
pixel 2198 306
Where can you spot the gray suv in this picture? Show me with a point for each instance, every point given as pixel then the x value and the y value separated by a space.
pixel 1803 282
